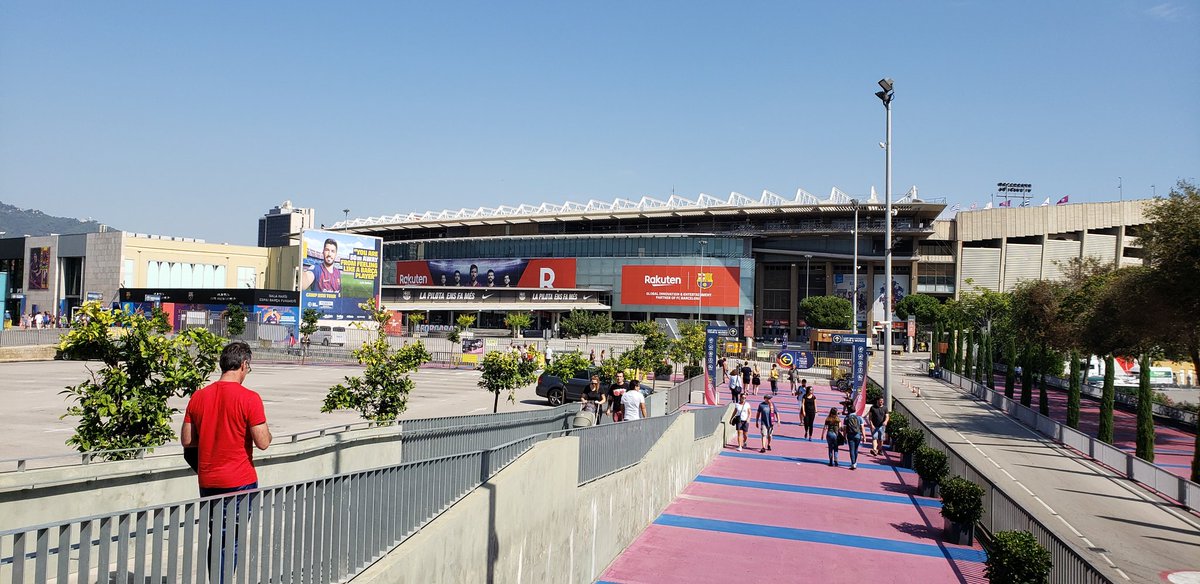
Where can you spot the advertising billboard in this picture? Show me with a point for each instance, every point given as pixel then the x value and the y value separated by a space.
pixel 899 291
pixel 488 273
pixel 681 286
pixel 843 287
pixel 338 271
pixel 39 268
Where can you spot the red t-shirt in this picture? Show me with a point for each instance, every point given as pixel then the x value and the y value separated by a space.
pixel 222 414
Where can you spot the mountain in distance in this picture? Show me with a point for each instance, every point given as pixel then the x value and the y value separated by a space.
pixel 17 222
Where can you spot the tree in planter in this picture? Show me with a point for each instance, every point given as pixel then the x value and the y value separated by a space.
pixel 380 394
pixel 414 320
pixel 655 348
pixel 235 320
pixel 465 322
pixel 566 365
pixel 906 441
pixel 932 466
pixel 124 405
pixel 1016 557
pixel 518 321
pixel 896 421
pixel 506 371
pixel 308 326
pixel 962 507
pixel 689 348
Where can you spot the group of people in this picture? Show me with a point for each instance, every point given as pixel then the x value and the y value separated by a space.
pixel 621 401
pixel 42 320
pixel 838 430
pixel 747 377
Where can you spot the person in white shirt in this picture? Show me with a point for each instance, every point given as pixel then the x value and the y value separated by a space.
pixel 741 420
pixel 634 401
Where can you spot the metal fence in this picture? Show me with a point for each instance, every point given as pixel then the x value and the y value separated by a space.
pixel 1002 513
pixel 681 393
pixel 324 530
pixel 1125 398
pixel 706 420
pixel 31 337
pixel 1178 488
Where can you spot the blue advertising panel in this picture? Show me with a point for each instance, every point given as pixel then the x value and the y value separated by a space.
pixel 797 359
pixel 712 333
pixel 339 271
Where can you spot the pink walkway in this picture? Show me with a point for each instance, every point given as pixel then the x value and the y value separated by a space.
pixel 785 516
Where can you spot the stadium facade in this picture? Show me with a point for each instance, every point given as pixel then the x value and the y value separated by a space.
pixel 745 261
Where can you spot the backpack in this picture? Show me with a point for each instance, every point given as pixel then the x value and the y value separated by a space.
pixel 853 425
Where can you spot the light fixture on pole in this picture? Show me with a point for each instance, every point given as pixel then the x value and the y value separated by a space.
pixel 854 282
pixel 699 290
pixel 886 97
pixel 807 258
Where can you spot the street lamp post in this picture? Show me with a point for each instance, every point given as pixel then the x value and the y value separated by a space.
pixel 807 259
pixel 886 97
pixel 699 290
pixel 854 282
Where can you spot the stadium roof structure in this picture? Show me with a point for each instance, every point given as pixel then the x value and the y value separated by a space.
pixel 617 209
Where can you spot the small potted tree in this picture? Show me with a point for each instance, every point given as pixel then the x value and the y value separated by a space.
pixel 1016 557
pixel 896 421
pixel 962 507
pixel 931 465
pixel 906 441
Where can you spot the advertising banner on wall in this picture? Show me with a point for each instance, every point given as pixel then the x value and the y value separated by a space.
pixel 899 291
pixel 339 271
pixel 843 287
pixel 488 273
pixel 681 286
pixel 39 268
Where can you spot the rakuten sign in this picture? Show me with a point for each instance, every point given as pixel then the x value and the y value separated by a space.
pixel 676 286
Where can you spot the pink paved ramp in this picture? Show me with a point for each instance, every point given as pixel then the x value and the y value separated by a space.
pixel 786 516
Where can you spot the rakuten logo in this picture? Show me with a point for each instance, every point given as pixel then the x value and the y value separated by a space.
pixel 660 281
pixel 413 280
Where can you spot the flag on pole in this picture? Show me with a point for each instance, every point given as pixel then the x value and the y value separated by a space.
pixel 955 208
pixel 1046 202
pixel 1007 203
pixel 1025 203
pixel 1064 200
pixel 974 206
pixel 989 205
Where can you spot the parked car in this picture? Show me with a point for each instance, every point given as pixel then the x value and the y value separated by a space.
pixel 558 391
pixel 329 335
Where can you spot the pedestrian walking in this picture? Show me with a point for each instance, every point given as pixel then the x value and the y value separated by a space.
pixel 792 376
pixel 594 399
pixel 741 420
pixel 592 357
pixel 724 366
pixel 853 429
pixel 615 391
pixel 773 378
pixel 878 418
pixel 735 387
pixel 832 431
pixel 746 373
pixel 808 411
pixel 633 402
pixel 764 421
pixel 755 379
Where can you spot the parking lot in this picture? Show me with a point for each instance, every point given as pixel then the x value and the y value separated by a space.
pixel 292 395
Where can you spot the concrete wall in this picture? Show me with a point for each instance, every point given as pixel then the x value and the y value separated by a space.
pixel 143 250
pixel 532 523
pixel 102 266
pixel 49 495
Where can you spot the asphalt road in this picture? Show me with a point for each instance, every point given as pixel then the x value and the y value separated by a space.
pixel 1107 518
pixel 292 395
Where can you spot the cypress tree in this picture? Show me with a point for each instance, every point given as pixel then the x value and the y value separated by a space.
pixel 1073 389
pixel 968 360
pixel 1043 399
pixel 1027 377
pixel 1145 411
pixel 1010 364
pixel 1107 397
pixel 952 350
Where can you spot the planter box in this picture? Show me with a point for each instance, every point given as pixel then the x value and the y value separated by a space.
pixel 906 459
pixel 957 533
pixel 927 489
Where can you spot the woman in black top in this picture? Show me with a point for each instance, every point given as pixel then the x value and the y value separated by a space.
pixel 808 407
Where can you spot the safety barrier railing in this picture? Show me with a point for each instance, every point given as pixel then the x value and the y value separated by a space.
pixel 15 337
pixel 1002 513
pixel 681 394
pixel 1185 417
pixel 1161 480
pixel 322 530
pixel 706 420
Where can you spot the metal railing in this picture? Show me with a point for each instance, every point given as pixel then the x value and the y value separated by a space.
pixel 1126 398
pixel 16 337
pixel 706 420
pixel 323 530
pixel 1002 513
pixel 681 393
pixel 1161 480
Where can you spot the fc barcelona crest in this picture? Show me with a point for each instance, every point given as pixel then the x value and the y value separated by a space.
pixel 704 280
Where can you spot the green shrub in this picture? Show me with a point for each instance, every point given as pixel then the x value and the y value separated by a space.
pixel 908 440
pixel 874 392
pixel 566 365
pixel 1016 557
pixel 896 422
pixel 663 371
pixel 962 500
pixel 931 464
pixel 690 371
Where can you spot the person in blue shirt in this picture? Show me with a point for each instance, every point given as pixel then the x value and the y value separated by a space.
pixel 764 420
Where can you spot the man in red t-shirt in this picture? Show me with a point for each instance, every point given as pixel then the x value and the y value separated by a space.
pixel 225 421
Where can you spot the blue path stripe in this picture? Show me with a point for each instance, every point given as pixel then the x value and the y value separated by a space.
pixel 825 537
pixel 843 493
pixel 822 461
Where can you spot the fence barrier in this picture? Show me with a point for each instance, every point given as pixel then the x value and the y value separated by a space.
pixel 1175 487
pixel 1002 513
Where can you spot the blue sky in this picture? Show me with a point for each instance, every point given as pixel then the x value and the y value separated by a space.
pixel 194 118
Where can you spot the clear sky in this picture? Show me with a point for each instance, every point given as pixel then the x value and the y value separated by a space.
pixel 194 118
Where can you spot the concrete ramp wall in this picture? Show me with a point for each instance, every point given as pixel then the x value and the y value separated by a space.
pixel 533 522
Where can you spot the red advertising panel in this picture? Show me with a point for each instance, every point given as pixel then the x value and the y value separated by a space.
pixel 488 273
pixel 680 285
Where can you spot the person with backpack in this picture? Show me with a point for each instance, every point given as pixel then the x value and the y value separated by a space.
pixel 735 388
pixel 831 434
pixel 853 429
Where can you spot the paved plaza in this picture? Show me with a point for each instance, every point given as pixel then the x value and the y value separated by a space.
pixel 292 395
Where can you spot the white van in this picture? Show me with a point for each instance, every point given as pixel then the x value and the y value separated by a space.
pixel 329 335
